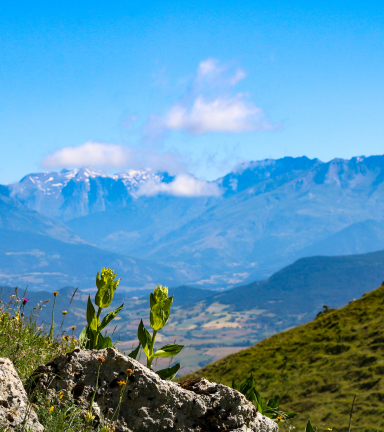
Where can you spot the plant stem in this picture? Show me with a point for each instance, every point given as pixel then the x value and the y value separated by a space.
pixel 350 416
pixel 94 393
pixel 97 332
pixel 149 360
pixel 53 322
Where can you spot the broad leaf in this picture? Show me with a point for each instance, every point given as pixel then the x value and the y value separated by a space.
pixel 144 338
pixel 273 403
pixel 83 335
pixel 152 300
pixel 309 427
pixel 169 350
pixel 169 373
pixel 109 317
pixel 91 315
pixel 135 352
pixel 105 342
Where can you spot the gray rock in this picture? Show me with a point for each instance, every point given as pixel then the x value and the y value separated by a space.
pixel 148 402
pixel 14 407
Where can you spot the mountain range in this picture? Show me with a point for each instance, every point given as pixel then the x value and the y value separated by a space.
pixel 259 218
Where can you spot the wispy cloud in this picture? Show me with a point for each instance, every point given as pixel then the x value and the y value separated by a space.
pixel 210 105
pixel 183 185
pixel 104 155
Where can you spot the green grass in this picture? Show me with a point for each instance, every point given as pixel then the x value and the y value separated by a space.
pixel 318 367
pixel 28 345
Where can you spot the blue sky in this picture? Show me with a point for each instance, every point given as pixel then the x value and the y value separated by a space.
pixel 187 86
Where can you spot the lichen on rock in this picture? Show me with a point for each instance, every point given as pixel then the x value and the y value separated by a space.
pixel 15 410
pixel 149 403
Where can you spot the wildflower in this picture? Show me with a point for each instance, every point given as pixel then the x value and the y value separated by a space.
pixel 66 337
pixel 88 417
pixel 39 328
pixel 17 316
pixel 280 418
pixel 51 409
pixel 73 327
pixel 55 293
pixel 1 301
pixel 61 394
pixel 121 383
pixel 64 312
pixel 107 428
pixel 25 300
pixel 101 359
pixel 330 429
pixel 129 371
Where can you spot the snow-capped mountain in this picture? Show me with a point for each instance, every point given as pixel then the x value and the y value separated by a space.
pixel 268 214
pixel 79 192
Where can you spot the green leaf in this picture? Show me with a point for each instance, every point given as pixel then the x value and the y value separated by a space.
pixel 91 315
pixel 234 386
pixel 135 352
pixel 86 337
pixel 152 300
pixel 169 350
pixel 309 427
pixel 144 338
pixel 290 415
pixel 83 335
pixel 105 342
pixel 169 373
pixel 273 403
pixel 109 317
pixel 159 314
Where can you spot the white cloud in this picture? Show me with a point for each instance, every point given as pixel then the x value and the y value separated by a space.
pixel 239 75
pixel 183 185
pixel 209 105
pixel 103 155
pixel 208 67
pixel 232 115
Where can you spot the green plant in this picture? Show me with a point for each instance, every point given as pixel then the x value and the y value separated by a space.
pixel 91 337
pixel 270 408
pixel 160 305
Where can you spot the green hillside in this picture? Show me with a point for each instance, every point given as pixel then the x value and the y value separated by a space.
pixel 318 367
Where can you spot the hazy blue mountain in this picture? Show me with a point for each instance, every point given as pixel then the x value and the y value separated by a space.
pixel 17 217
pixel 358 238
pixel 271 212
pixel 42 262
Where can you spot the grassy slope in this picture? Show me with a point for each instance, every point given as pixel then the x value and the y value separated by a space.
pixel 318 367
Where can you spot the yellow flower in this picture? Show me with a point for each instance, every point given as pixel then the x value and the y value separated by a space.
pixel 61 395
pixel 89 417
pixel 1 301
pixel 73 327
pixel 101 359
pixel 55 293
pixel 121 383
pixel 51 409
pixel 17 316
pixel 129 371
pixel 64 312
pixel 330 429
pixel 280 418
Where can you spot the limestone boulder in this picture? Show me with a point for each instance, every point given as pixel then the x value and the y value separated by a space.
pixel 15 410
pixel 149 403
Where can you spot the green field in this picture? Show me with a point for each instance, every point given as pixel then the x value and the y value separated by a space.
pixel 318 367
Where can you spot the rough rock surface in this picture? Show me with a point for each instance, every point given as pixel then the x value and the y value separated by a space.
pixel 14 407
pixel 148 402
